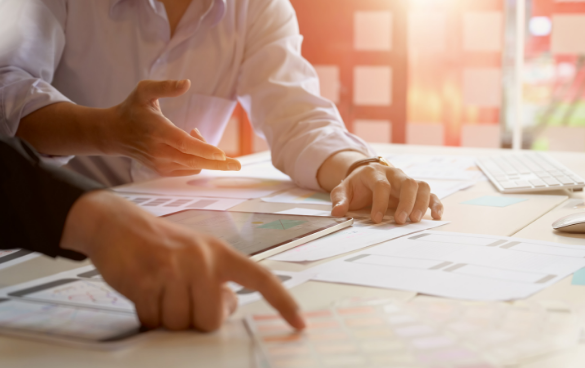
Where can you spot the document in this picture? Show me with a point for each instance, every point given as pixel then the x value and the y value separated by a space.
pixel 288 279
pixel 256 180
pixel 442 167
pixel 457 265
pixel 363 233
pixel 428 332
pixel 11 257
pixel 305 212
pixel 163 205
pixel 361 335
pixel 442 188
pixel 300 196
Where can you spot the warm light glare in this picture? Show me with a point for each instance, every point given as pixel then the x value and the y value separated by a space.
pixel 540 26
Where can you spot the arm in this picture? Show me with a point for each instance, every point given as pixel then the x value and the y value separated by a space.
pixel 308 139
pixel 31 108
pixel 36 199
pixel 175 277
pixel 282 97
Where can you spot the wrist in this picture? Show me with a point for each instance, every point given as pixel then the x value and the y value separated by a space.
pixel 334 169
pixel 104 134
pixel 84 220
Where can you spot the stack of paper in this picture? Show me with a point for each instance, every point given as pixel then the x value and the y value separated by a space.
pixel 362 234
pixel 425 332
pixel 456 265
pixel 361 335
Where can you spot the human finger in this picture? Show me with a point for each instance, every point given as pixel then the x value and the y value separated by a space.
pixel 230 301
pixel 150 90
pixel 436 207
pixel 380 187
pixel 147 305
pixel 175 173
pixel 197 134
pixel 190 145
pixel 407 197
pixel 176 306
pixel 197 163
pixel 341 198
pixel 208 305
pixel 240 269
pixel 423 197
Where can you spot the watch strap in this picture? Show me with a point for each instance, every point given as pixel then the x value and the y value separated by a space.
pixel 379 160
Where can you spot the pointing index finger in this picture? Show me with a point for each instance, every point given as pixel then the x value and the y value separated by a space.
pixel 253 276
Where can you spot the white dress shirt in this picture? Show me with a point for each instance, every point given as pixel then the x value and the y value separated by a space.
pixel 94 52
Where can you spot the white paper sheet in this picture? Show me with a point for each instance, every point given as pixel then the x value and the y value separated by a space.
pixel 163 205
pixel 300 196
pixel 288 279
pixel 87 289
pixel 305 212
pixel 253 181
pixel 444 188
pixel 456 265
pixel 441 167
pixel 11 257
pixel 362 234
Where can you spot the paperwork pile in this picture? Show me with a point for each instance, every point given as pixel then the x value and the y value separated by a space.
pixel 456 265
pixel 422 332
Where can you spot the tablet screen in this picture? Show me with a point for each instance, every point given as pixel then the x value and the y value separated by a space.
pixel 252 233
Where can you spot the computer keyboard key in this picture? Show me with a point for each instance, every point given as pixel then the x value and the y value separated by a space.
pixel 577 179
pixel 537 183
pixel 564 179
pixel 508 184
pixel 551 181
pixel 522 184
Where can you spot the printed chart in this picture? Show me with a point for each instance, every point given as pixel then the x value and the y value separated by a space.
pixel 455 265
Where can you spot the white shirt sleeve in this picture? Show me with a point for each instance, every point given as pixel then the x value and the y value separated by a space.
pixel 30 49
pixel 279 89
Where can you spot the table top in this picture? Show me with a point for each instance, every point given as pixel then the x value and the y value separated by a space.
pixel 231 345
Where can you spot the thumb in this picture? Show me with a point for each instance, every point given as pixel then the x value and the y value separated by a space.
pixel 152 90
pixel 340 198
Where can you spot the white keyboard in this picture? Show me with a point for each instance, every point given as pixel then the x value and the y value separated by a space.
pixel 528 172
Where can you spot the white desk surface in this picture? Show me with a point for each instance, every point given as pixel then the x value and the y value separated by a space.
pixel 231 347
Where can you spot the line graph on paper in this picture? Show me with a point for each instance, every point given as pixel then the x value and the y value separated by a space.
pixel 87 293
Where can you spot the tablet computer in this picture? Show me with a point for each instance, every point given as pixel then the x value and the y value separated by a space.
pixel 259 235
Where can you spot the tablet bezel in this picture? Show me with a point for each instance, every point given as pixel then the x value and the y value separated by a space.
pixel 342 223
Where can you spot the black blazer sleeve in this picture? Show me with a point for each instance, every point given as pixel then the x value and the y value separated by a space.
pixel 35 198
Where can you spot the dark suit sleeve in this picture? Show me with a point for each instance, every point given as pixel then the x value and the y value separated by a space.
pixel 35 198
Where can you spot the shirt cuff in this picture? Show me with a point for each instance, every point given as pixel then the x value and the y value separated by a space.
pixel 329 142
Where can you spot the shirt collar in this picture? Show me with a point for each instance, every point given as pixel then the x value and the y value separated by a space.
pixel 215 12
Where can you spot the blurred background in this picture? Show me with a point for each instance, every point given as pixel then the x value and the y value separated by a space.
pixel 441 72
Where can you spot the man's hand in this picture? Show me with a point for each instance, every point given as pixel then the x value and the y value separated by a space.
pixel 140 130
pixel 175 277
pixel 380 186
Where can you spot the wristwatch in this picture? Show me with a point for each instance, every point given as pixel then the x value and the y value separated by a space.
pixel 379 160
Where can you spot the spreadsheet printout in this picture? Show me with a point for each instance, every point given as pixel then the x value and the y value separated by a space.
pixel 457 265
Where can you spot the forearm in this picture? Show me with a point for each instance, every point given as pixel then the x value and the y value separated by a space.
pixel 334 169
pixel 37 199
pixel 64 129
